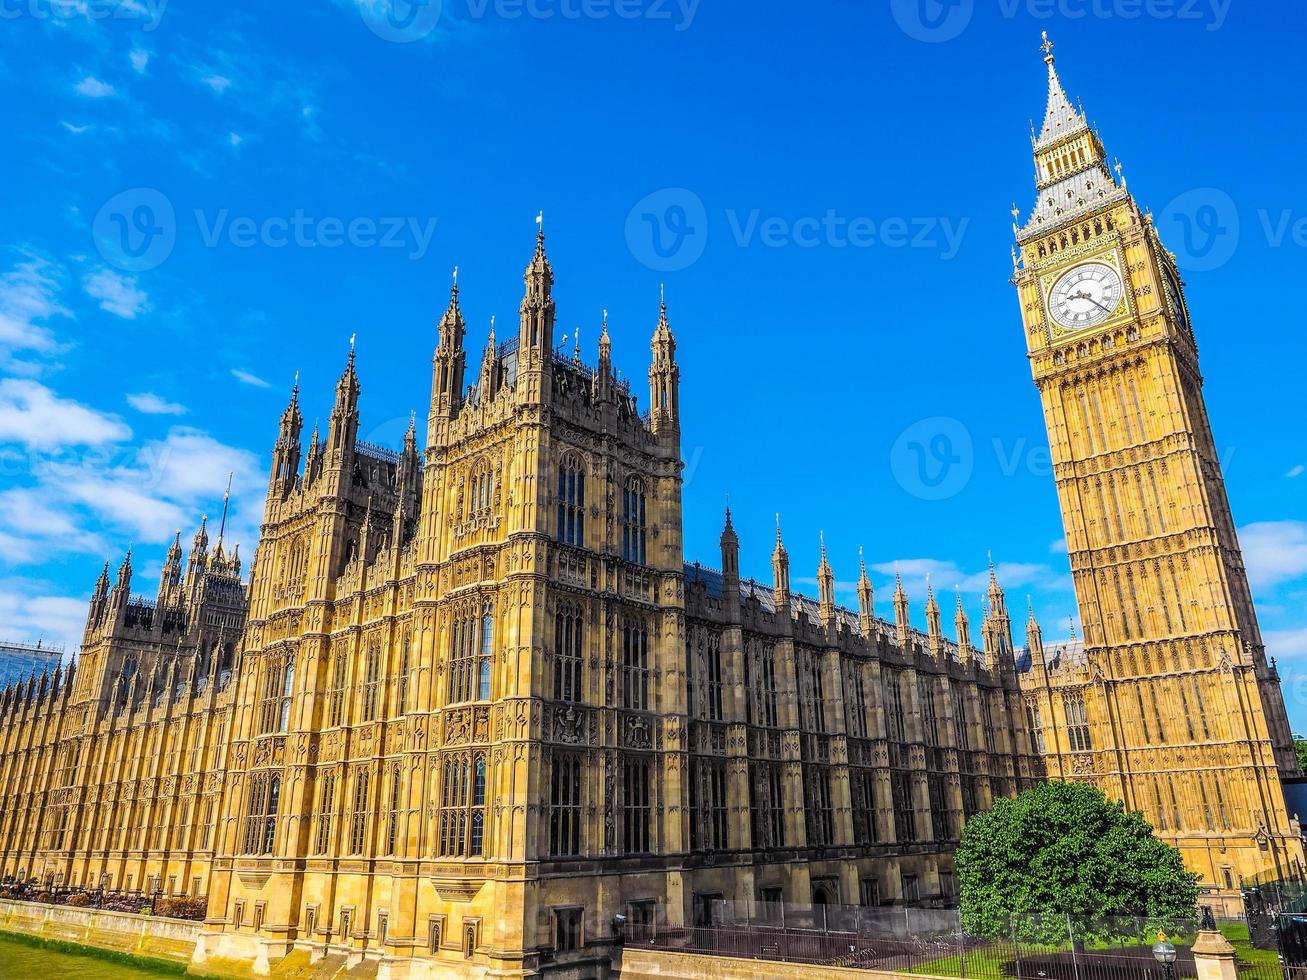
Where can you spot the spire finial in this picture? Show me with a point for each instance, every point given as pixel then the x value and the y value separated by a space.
pixel 778 527
pixel 1048 46
pixel 662 296
pixel 352 337
pixel 540 231
pixel 295 387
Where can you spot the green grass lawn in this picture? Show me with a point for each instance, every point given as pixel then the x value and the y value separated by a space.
pixel 1236 933
pixel 990 962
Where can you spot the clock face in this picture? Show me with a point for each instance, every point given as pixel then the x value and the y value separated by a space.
pixel 1085 296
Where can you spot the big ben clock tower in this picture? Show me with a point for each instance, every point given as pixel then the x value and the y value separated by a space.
pixel 1171 705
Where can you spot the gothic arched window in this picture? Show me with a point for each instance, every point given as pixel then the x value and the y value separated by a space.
pixel 568 645
pixel 635 666
pixel 462 807
pixel 571 501
pixel 471 652
pixel 634 531
pixel 261 813
pixel 481 490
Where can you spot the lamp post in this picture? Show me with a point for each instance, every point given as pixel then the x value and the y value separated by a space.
pixel 1164 953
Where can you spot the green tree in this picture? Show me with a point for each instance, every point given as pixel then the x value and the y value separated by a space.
pixel 1064 849
pixel 1300 747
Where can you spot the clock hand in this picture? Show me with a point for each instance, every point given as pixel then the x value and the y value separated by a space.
pixel 1084 295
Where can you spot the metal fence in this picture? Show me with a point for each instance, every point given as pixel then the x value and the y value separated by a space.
pixel 935 942
pixel 157 902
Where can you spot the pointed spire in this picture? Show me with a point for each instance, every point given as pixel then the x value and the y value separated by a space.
pixel 780 565
pixel 962 625
pixel 866 612
pixel 826 585
pixel 201 541
pixel 902 620
pixel 664 374
pixel 1061 118
pixel 730 544
pixel 452 325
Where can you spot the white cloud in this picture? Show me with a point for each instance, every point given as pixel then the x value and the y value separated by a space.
pixel 1058 546
pixel 140 58
pixel 162 485
pixel 33 415
pixel 946 576
pixel 93 88
pixel 74 129
pixel 32 611
pixel 250 379
pixel 1286 644
pixel 1274 551
pixel 152 404
pixel 118 294
pixel 1296 471
pixel 218 83
pixel 35 529
pixel 235 139
pixel 28 296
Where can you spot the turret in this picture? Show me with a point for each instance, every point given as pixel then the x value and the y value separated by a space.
pixel 963 627
pixel 286 452
pixel 730 542
pixel 664 378
pixel 448 363
pixel 535 342
pixel 604 374
pixel 998 624
pixel 780 568
pixel 342 429
pixel 122 589
pixel 171 574
pixel 488 381
pixel 99 598
pixel 866 609
pixel 1034 635
pixel 406 479
pixel 826 587
pixel 934 624
pixel 901 621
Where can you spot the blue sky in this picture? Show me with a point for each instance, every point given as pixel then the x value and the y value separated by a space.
pixel 202 199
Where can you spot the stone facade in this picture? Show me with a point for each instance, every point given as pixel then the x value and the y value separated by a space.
pixel 111 771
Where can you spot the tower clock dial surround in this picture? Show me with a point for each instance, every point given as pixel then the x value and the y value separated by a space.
pixel 1085 296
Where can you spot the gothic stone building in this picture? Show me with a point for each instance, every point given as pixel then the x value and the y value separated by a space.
pixel 482 706
pixel 486 706
pixel 111 772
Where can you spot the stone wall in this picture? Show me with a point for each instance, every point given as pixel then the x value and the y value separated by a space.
pixel 139 935
pixel 662 964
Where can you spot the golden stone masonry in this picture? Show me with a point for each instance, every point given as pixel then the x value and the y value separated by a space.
pixel 473 703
